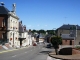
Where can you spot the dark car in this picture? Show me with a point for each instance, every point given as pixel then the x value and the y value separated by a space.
pixel 49 46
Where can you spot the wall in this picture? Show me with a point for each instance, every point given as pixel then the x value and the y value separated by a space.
pixel 3 17
pixel 67 42
pixel 67 32
pixel 63 32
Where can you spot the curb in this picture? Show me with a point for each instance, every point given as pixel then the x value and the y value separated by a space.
pixel 13 50
pixel 54 57
pixel 63 58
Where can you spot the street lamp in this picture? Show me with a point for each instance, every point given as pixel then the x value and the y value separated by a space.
pixel 75 34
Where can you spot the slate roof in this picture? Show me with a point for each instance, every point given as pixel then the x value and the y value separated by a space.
pixel 3 10
pixel 21 28
pixel 66 36
pixel 68 26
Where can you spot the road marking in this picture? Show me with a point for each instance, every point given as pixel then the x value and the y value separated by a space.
pixel 14 56
pixel 25 52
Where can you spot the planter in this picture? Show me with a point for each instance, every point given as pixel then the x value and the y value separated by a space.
pixel 75 51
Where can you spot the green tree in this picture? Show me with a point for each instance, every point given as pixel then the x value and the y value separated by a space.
pixel 51 32
pixel 33 31
pixel 42 31
pixel 56 41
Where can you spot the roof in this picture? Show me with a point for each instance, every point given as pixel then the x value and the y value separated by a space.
pixel 66 36
pixel 3 10
pixel 68 26
pixel 21 28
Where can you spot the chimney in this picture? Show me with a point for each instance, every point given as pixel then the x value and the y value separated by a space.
pixel 2 3
pixel 24 27
pixel 21 22
pixel 14 8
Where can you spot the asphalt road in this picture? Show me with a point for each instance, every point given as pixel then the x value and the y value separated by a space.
pixel 33 53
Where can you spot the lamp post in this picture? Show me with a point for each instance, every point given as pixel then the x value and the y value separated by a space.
pixel 75 34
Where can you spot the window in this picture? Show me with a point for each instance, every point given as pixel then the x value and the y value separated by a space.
pixel 11 20
pixel 3 23
pixel 2 36
pixel 11 34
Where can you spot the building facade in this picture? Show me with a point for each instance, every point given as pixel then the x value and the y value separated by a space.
pixel 66 29
pixel 9 25
pixel 13 29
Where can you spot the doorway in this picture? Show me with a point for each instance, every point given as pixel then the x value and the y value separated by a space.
pixel 70 42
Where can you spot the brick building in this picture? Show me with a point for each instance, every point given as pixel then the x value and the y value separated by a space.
pixel 66 29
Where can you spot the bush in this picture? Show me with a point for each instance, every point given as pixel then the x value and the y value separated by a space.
pixel 77 47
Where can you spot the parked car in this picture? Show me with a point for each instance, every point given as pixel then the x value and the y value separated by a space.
pixel 49 45
pixel 34 44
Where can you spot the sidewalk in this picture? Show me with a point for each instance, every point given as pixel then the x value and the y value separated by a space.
pixel 13 49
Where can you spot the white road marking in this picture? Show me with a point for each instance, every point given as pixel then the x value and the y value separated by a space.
pixel 50 58
pixel 14 56
pixel 25 52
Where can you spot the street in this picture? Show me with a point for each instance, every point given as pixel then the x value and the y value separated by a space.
pixel 33 53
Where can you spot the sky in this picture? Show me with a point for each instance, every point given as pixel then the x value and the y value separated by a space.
pixel 46 14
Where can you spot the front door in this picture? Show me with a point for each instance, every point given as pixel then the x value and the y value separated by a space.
pixel 70 42
pixel 20 42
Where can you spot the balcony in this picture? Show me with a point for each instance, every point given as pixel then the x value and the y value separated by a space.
pixel 21 37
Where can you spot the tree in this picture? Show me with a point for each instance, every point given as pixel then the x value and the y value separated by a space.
pixel 51 32
pixel 56 41
pixel 42 31
pixel 33 31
